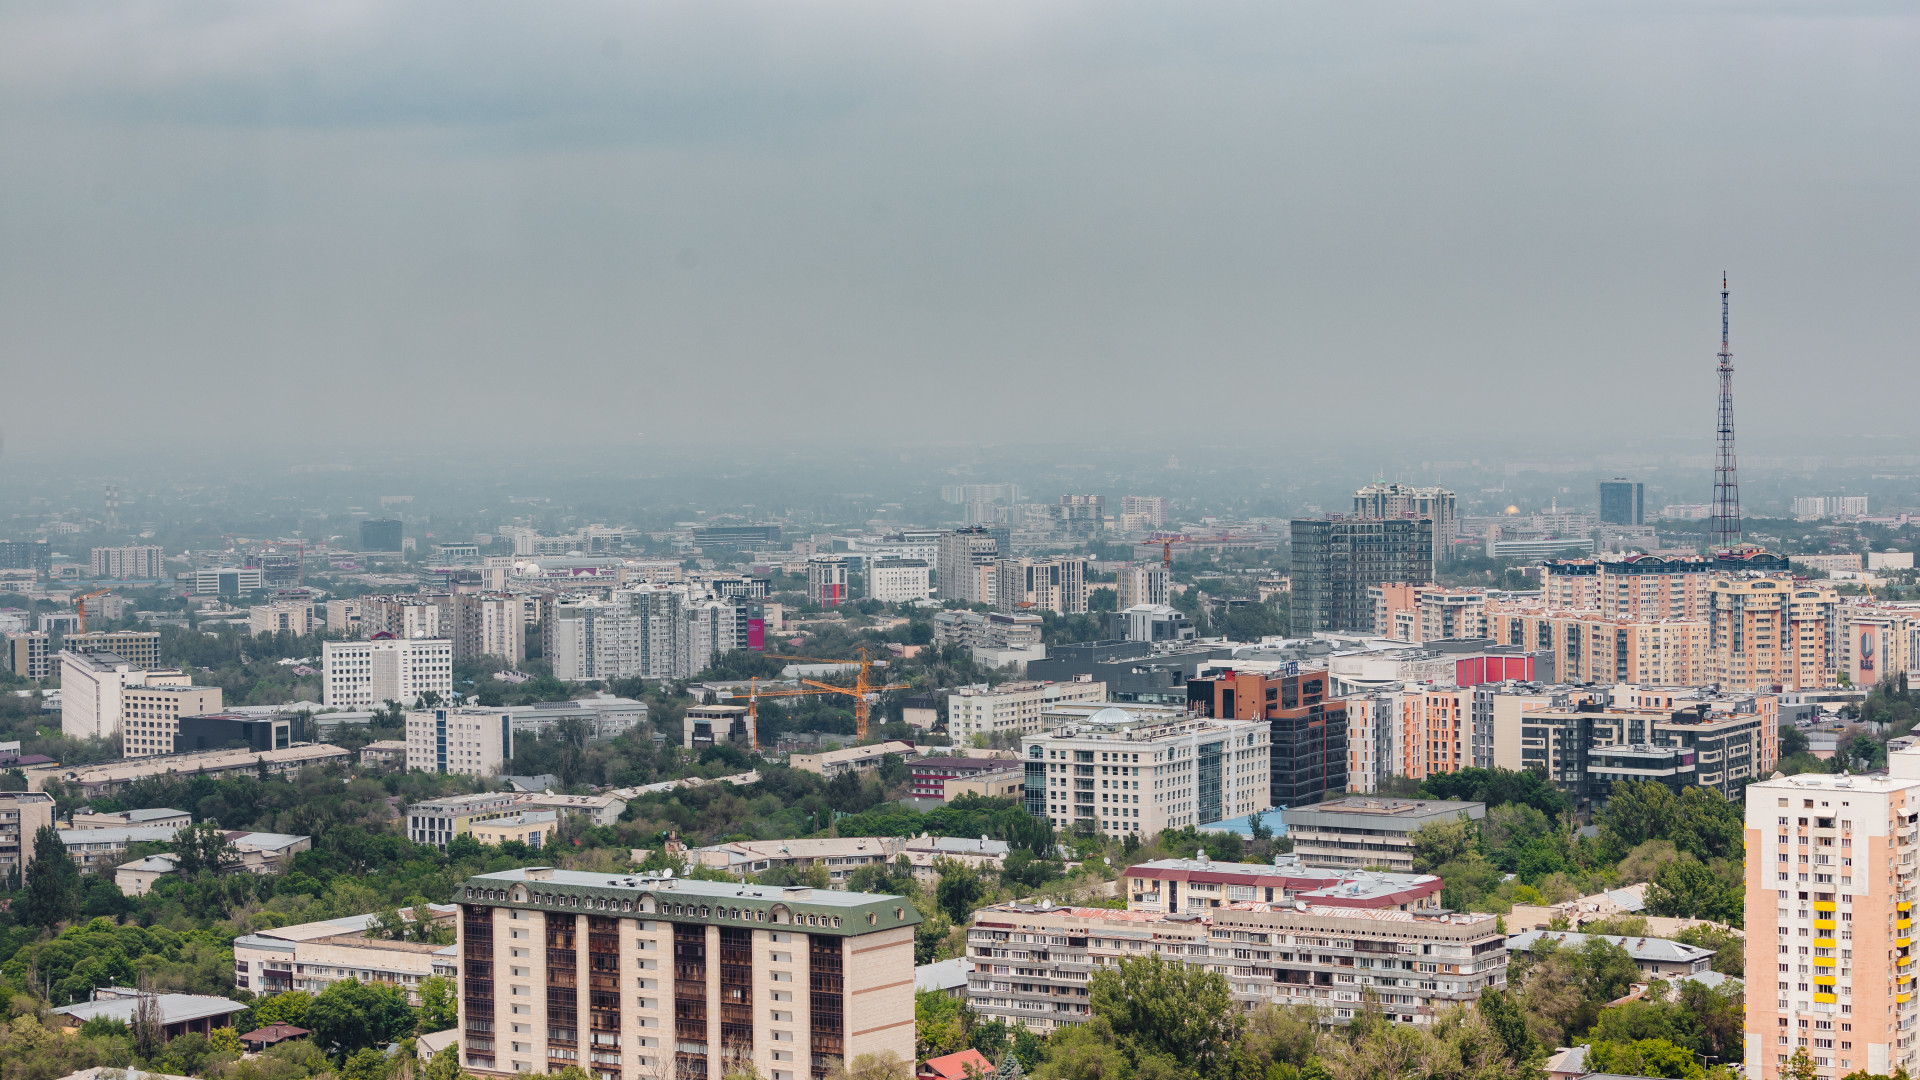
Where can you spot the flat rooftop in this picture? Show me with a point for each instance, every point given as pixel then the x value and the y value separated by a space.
pixel 678 899
pixel 1393 814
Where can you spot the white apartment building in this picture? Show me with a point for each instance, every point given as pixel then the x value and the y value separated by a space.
pixel 1829 909
pixel 142 562
pixel 470 742
pixel 489 624
pixel 1141 583
pixel 368 674
pixel 1139 513
pixel 899 581
pixel 653 631
pixel 294 617
pixel 1013 706
pixel 313 956
pixel 150 714
pixel 1129 769
pixel 92 692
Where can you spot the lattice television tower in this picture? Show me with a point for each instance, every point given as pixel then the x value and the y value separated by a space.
pixel 1726 471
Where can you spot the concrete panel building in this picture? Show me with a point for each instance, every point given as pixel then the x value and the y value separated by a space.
pixel 466 741
pixel 368 674
pixel 965 565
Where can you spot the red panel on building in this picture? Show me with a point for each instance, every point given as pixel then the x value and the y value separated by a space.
pixel 1475 670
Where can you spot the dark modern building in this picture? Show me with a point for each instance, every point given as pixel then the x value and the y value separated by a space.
pixel 26 555
pixel 1337 559
pixel 1623 502
pixel 380 534
pixel 221 731
pixel 1309 731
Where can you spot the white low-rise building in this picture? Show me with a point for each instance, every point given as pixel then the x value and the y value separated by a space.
pixel 313 956
pixel 1011 707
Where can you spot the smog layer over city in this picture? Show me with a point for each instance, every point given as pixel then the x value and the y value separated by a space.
pixel 1104 541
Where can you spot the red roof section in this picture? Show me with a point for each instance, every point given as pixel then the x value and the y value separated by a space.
pixel 954 1066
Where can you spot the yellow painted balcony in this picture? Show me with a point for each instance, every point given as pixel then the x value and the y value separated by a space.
pixel 1904 905
pixel 1903 998
pixel 1903 942
pixel 1823 924
pixel 1903 924
pixel 1824 943
pixel 1823 961
pixel 1823 905
pixel 1829 998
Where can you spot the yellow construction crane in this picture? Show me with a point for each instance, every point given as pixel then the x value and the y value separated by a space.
pixel 80 604
pixel 861 691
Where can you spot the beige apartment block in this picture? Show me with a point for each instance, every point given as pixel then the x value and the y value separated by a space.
pixel 645 977
pixel 22 814
pixel 1771 632
pixel 289 616
pixel 150 715
pixel 1830 892
pixel 1595 647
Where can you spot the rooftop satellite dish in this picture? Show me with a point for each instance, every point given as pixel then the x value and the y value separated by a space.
pixel 668 872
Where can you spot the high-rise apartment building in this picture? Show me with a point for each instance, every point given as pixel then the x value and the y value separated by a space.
pixel 469 742
pixel 1027 585
pixel 1647 586
pixel 1595 647
pixel 407 615
pixel 1131 769
pixel 1382 500
pixel 1829 913
pixel 1623 502
pixel 650 631
pixel 1307 731
pixel 1421 613
pixel 380 534
pixel 827 580
pixel 1082 517
pixel 1337 560
pixel 965 566
pixel 1140 513
pixel 368 674
pixel 489 624
pixel 26 555
pixel 25 653
pixel 638 977
pixel 1141 583
pixel 1771 631
pixel 91 689
pixel 143 562
pixel 1878 641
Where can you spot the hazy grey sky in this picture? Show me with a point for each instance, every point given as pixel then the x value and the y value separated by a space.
pixel 942 222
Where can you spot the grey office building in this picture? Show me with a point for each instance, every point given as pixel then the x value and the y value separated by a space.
pixel 1623 502
pixel 1336 560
